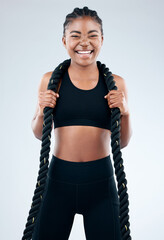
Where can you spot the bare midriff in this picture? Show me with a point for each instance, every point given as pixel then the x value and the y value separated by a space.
pixel 81 143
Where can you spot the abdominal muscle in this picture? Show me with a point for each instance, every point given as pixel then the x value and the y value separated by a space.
pixel 81 143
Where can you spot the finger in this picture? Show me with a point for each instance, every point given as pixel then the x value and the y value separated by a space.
pixel 47 98
pixel 113 91
pixel 114 95
pixel 51 101
pixel 54 93
pixel 50 104
pixel 106 96
pixel 113 99
pixel 50 95
pixel 113 105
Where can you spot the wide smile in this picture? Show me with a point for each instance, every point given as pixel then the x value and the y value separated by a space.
pixel 85 54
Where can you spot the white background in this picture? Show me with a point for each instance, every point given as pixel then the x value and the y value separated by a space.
pixel 31 33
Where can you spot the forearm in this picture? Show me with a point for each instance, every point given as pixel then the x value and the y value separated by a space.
pixel 37 125
pixel 126 130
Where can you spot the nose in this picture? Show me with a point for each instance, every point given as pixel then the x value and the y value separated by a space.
pixel 84 41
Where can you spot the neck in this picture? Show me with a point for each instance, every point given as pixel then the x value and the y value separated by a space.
pixel 83 70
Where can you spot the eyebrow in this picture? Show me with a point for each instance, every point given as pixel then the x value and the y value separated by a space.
pixel 80 32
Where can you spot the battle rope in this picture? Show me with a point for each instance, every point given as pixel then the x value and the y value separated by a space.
pixel 45 149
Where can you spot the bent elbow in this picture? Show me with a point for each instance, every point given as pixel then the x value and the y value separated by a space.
pixel 123 145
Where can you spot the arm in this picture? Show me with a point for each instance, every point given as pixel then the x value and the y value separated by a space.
pixel 37 121
pixel 126 128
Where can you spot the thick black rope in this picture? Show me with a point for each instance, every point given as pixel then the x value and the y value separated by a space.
pixel 118 161
pixel 45 149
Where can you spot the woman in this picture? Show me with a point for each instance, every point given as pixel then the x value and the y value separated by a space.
pixel 86 107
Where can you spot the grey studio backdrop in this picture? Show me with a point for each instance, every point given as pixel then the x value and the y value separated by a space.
pixel 31 45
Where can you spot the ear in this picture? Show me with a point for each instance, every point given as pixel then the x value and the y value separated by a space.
pixel 64 41
pixel 102 39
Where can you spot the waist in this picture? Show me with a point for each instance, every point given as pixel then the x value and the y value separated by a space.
pixel 61 170
pixel 81 141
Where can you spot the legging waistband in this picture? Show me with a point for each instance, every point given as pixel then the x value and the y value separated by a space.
pixel 80 172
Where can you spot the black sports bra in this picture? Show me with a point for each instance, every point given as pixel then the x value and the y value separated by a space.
pixel 77 106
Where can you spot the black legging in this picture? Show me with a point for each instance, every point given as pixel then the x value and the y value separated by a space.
pixel 86 188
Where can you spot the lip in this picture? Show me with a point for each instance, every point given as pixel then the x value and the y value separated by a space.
pixel 84 50
pixel 92 50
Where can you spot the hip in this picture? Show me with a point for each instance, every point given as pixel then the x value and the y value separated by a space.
pixel 80 172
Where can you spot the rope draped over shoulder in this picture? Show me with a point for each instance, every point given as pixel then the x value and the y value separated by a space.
pixel 45 149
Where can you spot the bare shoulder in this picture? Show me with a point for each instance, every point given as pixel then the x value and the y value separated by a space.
pixel 47 74
pixel 119 80
pixel 121 84
pixel 44 81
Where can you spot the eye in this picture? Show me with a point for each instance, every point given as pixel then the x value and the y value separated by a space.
pixel 78 36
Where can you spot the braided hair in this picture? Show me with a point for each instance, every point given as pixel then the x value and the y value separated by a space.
pixel 57 74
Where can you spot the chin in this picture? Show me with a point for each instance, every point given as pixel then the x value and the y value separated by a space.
pixel 85 62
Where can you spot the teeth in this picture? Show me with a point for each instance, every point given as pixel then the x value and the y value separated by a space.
pixel 85 52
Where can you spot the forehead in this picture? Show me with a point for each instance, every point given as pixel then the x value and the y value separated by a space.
pixel 83 24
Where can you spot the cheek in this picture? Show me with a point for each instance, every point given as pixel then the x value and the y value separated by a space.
pixel 70 44
pixel 99 46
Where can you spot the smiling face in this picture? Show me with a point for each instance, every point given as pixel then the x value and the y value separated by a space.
pixel 83 40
